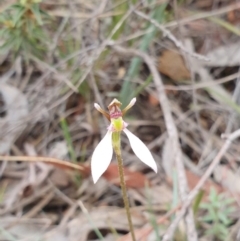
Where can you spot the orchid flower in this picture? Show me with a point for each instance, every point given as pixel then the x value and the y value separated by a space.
pixel 102 155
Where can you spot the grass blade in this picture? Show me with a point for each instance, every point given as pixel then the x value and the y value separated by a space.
pixel 68 139
pixel 127 90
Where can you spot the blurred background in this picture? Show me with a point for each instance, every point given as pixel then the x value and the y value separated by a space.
pixel 58 58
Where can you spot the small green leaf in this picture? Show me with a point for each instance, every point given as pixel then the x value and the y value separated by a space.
pixel 18 15
pixel 224 219
pixel 207 218
pixel 229 210
pixel 3 32
pixel 228 201
pixel 9 44
pixel 37 14
pixel 204 205
pixel 12 7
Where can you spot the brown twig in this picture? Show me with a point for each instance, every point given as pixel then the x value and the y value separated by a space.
pixel 202 15
pixel 203 85
pixel 41 159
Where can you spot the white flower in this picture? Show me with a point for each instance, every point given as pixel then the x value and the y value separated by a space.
pixel 103 153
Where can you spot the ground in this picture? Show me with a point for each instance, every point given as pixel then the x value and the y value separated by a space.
pixel 180 59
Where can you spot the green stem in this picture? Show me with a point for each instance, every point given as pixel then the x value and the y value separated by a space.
pixel 117 148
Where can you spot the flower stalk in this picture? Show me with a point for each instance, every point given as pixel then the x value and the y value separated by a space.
pixel 116 141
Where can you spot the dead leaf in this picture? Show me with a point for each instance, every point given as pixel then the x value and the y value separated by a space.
pixel 153 100
pixel 146 195
pixel 193 179
pixel 102 218
pixel 13 123
pixel 204 4
pixel 60 178
pixel 133 179
pixel 227 178
pixel 29 229
pixel 58 150
pixel 234 16
pixel 172 64
pixel 226 55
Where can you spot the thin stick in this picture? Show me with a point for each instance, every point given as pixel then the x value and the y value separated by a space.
pixel 41 159
pixel 208 83
pixel 116 141
pixel 124 194
pixel 202 15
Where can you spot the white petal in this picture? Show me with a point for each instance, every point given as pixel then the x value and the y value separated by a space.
pixel 102 156
pixel 141 150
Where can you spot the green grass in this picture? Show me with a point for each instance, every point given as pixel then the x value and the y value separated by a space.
pixel 68 139
pixel 122 7
pixel 224 99
pixel 225 25
pixel 142 87
pixel 127 90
